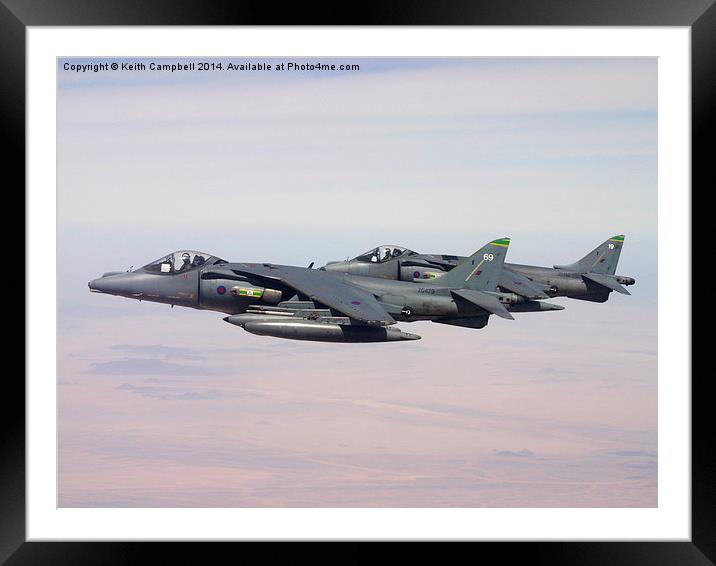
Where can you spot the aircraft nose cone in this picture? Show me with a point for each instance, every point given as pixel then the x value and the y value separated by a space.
pixel 114 284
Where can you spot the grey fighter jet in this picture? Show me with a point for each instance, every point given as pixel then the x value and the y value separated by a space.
pixel 592 278
pixel 306 304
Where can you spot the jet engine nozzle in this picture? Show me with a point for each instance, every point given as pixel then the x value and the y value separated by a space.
pixel 510 298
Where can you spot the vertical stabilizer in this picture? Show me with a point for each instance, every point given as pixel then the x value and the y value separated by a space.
pixel 603 259
pixel 481 271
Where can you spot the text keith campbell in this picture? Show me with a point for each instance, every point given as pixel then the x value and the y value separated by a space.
pixel 206 66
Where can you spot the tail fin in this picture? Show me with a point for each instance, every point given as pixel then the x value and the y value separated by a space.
pixel 481 271
pixel 602 259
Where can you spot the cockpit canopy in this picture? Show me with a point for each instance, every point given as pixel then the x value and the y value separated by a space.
pixel 383 253
pixel 181 261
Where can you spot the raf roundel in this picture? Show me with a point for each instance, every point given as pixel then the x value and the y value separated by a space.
pixel 221 289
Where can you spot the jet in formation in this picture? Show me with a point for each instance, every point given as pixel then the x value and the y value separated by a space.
pixel 592 278
pixel 360 300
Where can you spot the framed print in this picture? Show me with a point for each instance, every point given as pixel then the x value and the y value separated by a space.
pixel 158 131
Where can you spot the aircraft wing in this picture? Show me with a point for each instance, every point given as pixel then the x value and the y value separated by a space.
pixel 518 283
pixel 329 289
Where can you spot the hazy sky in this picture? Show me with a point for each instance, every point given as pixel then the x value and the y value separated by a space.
pixel 174 407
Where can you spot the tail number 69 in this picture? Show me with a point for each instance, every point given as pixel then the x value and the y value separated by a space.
pixel 488 257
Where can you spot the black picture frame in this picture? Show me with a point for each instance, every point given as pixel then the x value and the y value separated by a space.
pixel 17 15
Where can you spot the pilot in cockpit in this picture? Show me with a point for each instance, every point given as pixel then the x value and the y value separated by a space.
pixel 198 260
pixel 186 262
pixel 386 257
